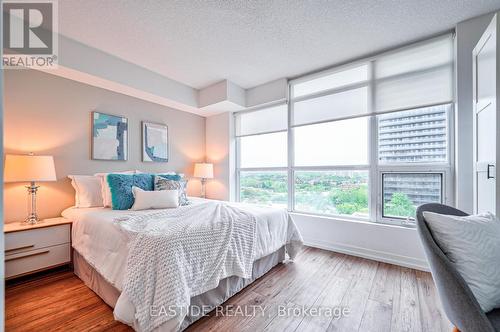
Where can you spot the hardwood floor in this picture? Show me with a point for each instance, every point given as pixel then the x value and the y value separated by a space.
pixel 379 296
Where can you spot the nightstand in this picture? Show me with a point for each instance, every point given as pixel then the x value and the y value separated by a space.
pixel 32 248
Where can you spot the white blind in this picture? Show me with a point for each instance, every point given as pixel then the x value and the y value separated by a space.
pixel 412 77
pixel 415 76
pixel 337 79
pixel 265 120
pixel 330 107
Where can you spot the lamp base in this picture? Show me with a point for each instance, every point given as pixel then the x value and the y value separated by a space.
pixel 203 182
pixel 32 217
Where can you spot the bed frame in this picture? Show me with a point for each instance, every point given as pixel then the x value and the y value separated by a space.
pixel 227 287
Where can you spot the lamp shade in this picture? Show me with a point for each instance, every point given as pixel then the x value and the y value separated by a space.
pixel 27 168
pixel 204 170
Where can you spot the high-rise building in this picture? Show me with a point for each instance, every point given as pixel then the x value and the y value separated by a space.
pixel 416 136
pixel 413 136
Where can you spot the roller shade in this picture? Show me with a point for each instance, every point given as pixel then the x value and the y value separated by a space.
pixel 337 79
pixel 265 120
pixel 411 77
pixel 330 107
pixel 416 76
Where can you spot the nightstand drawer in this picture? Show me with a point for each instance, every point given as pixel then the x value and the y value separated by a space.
pixel 33 239
pixel 30 261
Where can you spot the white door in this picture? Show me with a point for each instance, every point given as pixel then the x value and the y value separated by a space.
pixel 485 64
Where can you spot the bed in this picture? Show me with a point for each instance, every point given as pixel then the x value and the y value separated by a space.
pixel 128 257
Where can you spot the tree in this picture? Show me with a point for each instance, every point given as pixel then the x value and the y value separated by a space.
pixel 400 205
pixel 349 201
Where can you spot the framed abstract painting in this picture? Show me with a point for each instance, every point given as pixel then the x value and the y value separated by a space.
pixel 109 137
pixel 154 142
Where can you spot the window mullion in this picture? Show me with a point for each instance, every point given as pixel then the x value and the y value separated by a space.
pixel 373 182
pixel 291 154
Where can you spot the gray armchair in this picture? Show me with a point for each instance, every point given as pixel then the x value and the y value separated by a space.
pixel 459 303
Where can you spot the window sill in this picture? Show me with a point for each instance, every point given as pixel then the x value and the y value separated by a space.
pixel 352 220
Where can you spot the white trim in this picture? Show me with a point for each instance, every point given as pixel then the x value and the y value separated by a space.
pixel 377 255
pixel 263 169
pixel 332 168
pixel 333 216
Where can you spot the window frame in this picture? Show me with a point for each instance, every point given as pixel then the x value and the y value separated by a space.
pixel 238 167
pixel 374 168
pixel 401 220
pixel 445 168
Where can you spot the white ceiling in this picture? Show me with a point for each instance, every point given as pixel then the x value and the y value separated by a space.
pixel 200 42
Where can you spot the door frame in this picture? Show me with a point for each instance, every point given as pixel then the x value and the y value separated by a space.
pixel 491 31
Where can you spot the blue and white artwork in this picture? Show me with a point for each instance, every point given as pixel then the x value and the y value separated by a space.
pixel 109 137
pixel 154 142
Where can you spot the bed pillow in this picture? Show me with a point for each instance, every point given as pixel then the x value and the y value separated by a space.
pixel 160 183
pixel 145 200
pixel 105 191
pixel 87 190
pixel 472 244
pixel 120 186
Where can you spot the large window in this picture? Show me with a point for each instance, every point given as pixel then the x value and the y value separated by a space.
pixel 262 156
pixel 369 141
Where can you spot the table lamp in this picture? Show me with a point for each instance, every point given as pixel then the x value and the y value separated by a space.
pixel 29 168
pixel 204 171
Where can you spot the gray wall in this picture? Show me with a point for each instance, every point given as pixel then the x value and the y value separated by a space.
pixel 47 114
pixel 467 35
pixel 220 151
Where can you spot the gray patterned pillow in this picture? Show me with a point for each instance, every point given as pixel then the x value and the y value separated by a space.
pixel 166 184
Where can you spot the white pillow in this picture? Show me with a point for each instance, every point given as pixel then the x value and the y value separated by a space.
pixel 105 191
pixel 145 200
pixel 472 243
pixel 87 190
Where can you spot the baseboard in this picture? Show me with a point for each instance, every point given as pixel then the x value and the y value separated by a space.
pixel 376 255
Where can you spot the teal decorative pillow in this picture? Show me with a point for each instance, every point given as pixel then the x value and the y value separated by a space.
pixel 121 188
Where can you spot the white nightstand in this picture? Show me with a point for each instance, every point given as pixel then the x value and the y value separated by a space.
pixel 32 248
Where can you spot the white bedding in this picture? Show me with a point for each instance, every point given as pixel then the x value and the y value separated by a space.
pixel 104 244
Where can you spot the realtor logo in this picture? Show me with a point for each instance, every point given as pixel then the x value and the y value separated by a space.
pixel 29 34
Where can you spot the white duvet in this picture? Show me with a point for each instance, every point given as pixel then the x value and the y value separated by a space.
pixel 104 243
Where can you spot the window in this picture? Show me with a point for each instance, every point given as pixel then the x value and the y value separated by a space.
pixel 263 156
pixel 407 140
pixel 368 141
pixel 404 192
